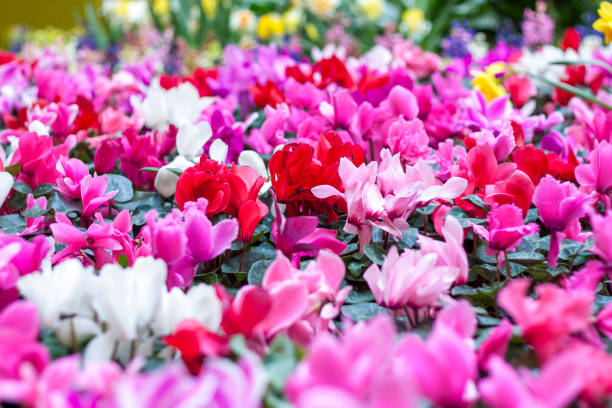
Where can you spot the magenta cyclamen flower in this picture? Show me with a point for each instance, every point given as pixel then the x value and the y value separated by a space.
pixel 72 171
pixel 411 279
pixel 184 239
pixel 559 205
pixel 105 240
pixel 93 193
pixel 299 236
pixel 18 257
pixel 506 228
pixel 19 347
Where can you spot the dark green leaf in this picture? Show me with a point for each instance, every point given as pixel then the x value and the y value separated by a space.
pixel 22 188
pixel 12 223
pixel 124 187
pixel 374 254
pixel 34 212
pixel 257 271
pixel 362 311
pixel 44 189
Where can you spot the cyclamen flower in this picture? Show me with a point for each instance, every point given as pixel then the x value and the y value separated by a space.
pixel 597 175
pixel 446 378
pixel 408 138
pixel 299 236
pixel 6 184
pixel 411 279
pixel 506 228
pixel 547 322
pixel 602 236
pixel 36 223
pixel 185 239
pixel 353 371
pixel 557 385
pixel 297 168
pixel 19 257
pixel 72 172
pixel 559 205
pixel 38 157
pixel 19 326
pixel 450 252
pixel 321 281
pixel 105 240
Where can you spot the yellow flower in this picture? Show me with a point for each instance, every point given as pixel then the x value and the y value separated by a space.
pixel 291 20
pixel 604 23
pixel 322 7
pixel 371 8
pixel 413 18
pixel 487 83
pixel 312 32
pixel 161 7
pixel 269 25
pixel 122 8
pixel 210 7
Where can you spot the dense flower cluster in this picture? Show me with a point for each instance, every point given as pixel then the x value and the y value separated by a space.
pixel 324 228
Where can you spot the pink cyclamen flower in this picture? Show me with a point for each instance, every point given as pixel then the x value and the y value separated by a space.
pixel 506 228
pixel 597 175
pixel 602 235
pixel 495 345
pixel 323 295
pixel 105 240
pixel 72 172
pixel 363 198
pixel 547 322
pixel 558 383
pixel 36 223
pixel 18 257
pixel 444 366
pixel 93 193
pixel 19 347
pixel 354 371
pixel 450 252
pixel 408 138
pixel 410 279
pixel 559 204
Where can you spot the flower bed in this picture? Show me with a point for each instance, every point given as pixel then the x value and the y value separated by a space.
pixel 296 226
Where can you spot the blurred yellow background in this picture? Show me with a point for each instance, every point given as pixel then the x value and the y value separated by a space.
pixel 38 14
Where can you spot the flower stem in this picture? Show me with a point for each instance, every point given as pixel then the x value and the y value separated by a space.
pixel 507 262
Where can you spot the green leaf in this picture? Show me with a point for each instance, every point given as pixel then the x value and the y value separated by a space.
pixel 124 187
pixel 56 348
pixel 12 223
pixel 476 200
pixel 374 254
pixel 355 297
pixel 600 63
pixel 44 189
pixel 33 212
pixel 123 260
pixel 362 311
pixel 586 95
pixel 13 170
pixel 280 361
pixel 526 256
pixel 257 271
pixel 22 188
